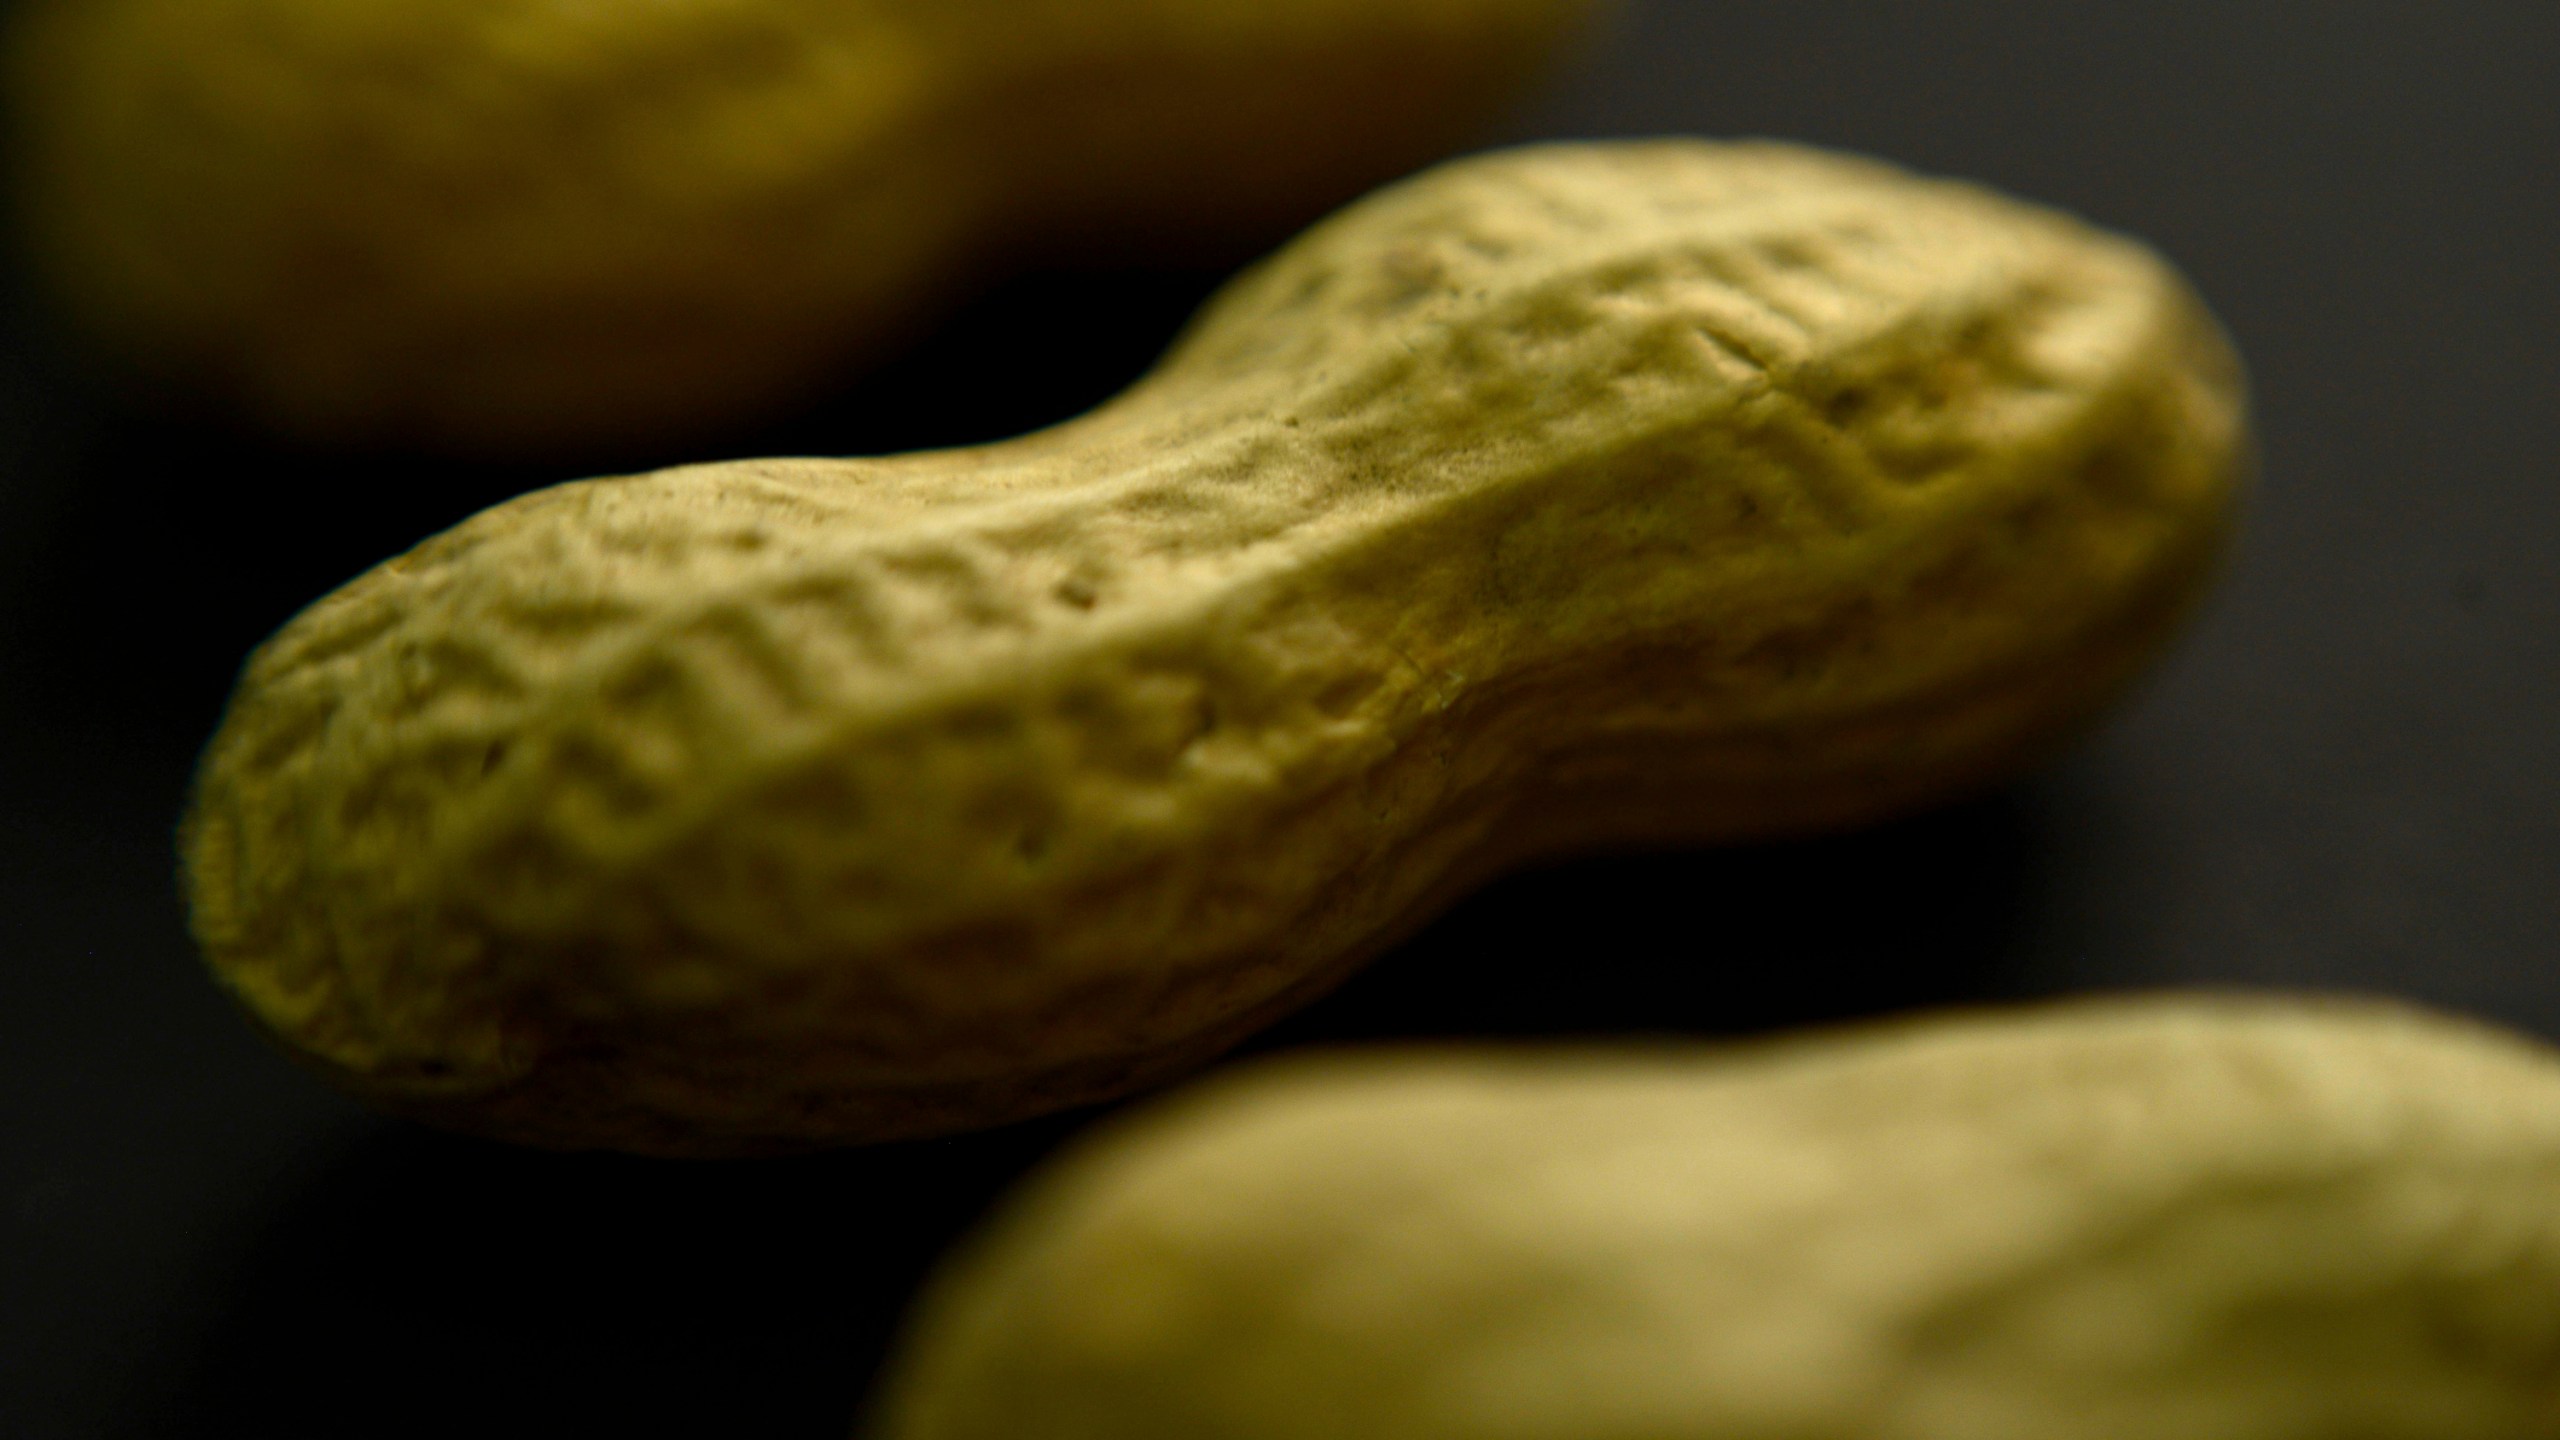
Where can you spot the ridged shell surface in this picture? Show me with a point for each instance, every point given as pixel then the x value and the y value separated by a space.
pixel 1571 496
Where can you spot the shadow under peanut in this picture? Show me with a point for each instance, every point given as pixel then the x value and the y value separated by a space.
pixel 425 1285
pixel 1933 910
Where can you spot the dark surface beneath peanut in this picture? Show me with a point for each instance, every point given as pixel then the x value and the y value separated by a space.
pixel 2346 778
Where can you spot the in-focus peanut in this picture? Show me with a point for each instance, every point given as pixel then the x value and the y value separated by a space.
pixel 2171 1219
pixel 1569 497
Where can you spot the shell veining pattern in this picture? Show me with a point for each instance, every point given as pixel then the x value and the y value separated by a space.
pixel 638 743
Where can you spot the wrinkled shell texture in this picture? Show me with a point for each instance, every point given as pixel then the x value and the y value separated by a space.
pixel 2162 1220
pixel 1573 496
pixel 519 226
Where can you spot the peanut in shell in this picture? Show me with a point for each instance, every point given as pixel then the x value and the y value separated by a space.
pixel 1572 497
pixel 530 228
pixel 2167 1218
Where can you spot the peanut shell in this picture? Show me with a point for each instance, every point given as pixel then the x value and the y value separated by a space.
pixel 2173 1218
pixel 1578 496
pixel 531 228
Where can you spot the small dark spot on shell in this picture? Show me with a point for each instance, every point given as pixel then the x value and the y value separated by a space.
pixel 1409 272
pixel 1344 693
pixel 1786 254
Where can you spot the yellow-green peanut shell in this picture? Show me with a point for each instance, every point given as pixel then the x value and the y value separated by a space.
pixel 533 226
pixel 1574 496
pixel 2175 1218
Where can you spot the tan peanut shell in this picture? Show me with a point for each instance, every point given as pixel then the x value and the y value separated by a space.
pixel 2166 1219
pixel 529 226
pixel 1575 496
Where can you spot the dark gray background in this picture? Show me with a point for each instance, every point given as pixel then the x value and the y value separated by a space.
pixel 2347 778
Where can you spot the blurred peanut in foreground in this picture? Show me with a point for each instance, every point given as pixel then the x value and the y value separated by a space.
pixel 528 227
pixel 2164 1219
